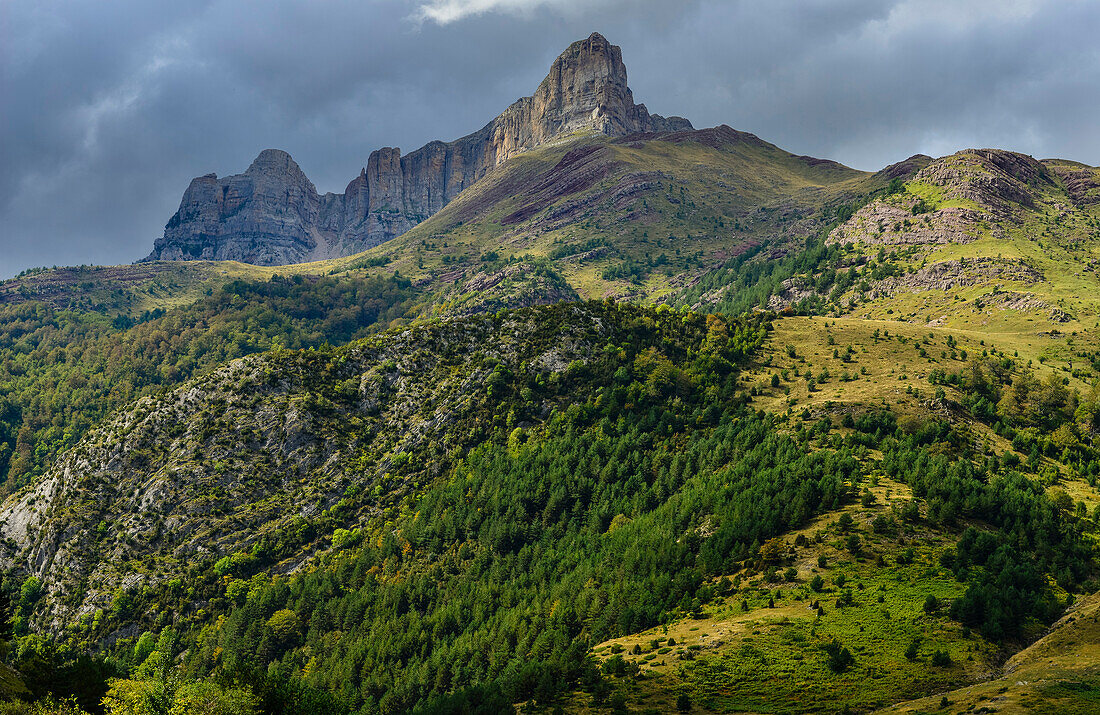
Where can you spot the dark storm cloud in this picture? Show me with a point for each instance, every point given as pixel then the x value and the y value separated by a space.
pixel 107 109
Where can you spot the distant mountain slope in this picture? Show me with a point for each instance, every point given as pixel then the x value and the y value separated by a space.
pixel 273 215
pixel 636 216
pixel 713 219
pixel 640 216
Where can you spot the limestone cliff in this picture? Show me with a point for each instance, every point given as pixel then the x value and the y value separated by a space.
pixel 273 215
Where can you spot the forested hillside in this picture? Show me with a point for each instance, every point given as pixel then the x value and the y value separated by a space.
pixel 457 514
pixel 61 371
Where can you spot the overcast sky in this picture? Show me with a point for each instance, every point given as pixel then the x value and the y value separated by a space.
pixel 109 107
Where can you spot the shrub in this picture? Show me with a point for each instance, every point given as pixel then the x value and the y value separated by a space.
pixel 210 699
pixel 838 657
pixel 343 538
pixel 617 666
pixel 283 624
pixel 48 706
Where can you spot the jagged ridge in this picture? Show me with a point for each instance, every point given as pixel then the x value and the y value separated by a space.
pixel 273 215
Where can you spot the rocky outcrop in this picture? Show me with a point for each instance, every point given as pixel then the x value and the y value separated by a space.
pixel 883 223
pixel 952 274
pixel 998 181
pixel 1081 182
pixel 978 189
pixel 273 215
pixel 268 215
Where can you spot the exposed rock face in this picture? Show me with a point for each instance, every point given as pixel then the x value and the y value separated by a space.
pixel 586 89
pixel 999 181
pixel 880 223
pixel 989 183
pixel 952 274
pixel 1082 182
pixel 273 215
pixel 267 215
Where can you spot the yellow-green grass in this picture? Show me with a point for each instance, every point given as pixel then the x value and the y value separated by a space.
pixel 1058 674
pixel 136 288
pixel 769 659
pixel 11 684
pixel 935 196
pixel 885 370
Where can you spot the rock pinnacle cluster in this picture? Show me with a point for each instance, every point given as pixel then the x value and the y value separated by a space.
pixel 272 214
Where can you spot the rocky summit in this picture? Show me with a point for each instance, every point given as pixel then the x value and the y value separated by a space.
pixel 273 215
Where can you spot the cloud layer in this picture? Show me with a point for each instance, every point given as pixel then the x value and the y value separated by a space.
pixel 447 11
pixel 108 109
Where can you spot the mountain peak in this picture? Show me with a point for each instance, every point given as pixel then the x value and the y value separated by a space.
pixel 596 48
pixel 586 88
pixel 272 158
pixel 273 215
pixel 276 161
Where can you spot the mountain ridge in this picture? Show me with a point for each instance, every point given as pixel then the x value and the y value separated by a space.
pixel 273 215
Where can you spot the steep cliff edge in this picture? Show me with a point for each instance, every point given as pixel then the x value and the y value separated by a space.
pixel 273 215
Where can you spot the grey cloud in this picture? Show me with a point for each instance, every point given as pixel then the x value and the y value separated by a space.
pixel 107 109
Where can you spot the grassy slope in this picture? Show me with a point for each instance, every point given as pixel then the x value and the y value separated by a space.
pixel 703 198
pixel 1060 673
pixel 767 659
